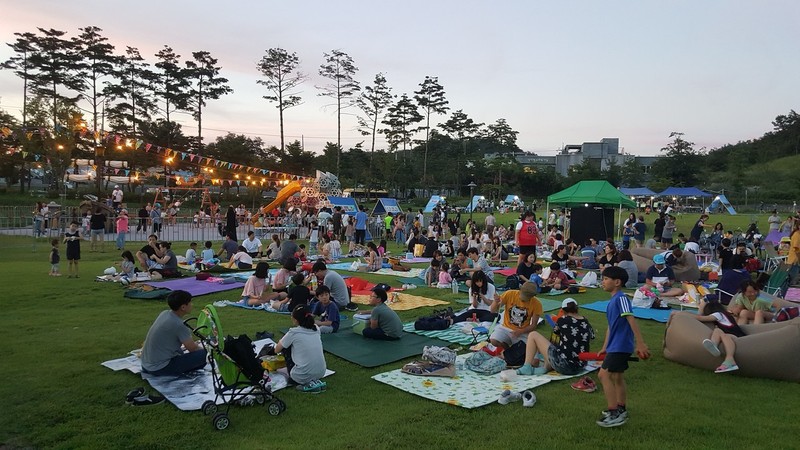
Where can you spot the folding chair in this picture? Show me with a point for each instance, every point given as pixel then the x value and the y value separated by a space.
pixel 778 281
pixel 772 258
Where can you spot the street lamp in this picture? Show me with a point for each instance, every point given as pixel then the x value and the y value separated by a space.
pixel 471 187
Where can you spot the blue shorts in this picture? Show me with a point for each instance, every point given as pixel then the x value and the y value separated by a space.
pixel 97 232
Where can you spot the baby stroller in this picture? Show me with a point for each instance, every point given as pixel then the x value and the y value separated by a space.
pixel 236 371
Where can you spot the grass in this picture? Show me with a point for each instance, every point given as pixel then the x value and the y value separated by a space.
pixel 57 331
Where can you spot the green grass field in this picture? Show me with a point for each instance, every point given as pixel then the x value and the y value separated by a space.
pixel 57 331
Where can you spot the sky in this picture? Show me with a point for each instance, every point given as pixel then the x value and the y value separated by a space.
pixel 558 72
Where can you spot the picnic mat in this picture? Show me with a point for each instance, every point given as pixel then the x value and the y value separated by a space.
pixel 188 392
pixel 454 334
pixel 467 389
pixel 415 260
pixel 414 272
pixel 238 304
pixel 373 353
pixel 194 286
pixel 659 315
pixel 404 301
pixel 146 292
pixel 507 271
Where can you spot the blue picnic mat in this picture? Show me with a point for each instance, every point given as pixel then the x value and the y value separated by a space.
pixel 659 315
pixel 452 334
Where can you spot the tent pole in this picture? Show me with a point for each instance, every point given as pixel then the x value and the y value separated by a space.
pixel 619 222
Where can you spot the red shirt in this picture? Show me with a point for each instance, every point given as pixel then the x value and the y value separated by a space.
pixel 528 234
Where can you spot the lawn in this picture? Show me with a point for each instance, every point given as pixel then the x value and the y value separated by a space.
pixel 56 395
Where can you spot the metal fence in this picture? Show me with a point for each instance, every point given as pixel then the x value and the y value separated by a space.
pixel 19 221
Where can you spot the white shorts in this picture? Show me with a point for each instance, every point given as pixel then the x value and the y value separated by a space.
pixel 503 334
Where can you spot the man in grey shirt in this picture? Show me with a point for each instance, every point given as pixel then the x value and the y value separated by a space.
pixel 288 249
pixel 384 323
pixel 336 284
pixel 162 353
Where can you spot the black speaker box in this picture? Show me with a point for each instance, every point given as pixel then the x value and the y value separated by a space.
pixel 591 222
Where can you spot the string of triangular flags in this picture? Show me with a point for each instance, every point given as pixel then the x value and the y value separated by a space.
pixel 267 177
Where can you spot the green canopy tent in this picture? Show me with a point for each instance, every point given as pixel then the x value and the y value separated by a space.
pixel 592 192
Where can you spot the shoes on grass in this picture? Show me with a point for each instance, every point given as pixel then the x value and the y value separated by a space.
pixel 313 387
pixel 726 367
pixel 507 397
pixel 711 347
pixel 528 399
pixel 133 394
pixel 147 400
pixel 613 418
pixel 351 307
pixel 585 384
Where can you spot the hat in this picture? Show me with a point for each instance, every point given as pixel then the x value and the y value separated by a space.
pixel 567 302
pixel 123 211
pixel 659 259
pixel 116 186
pixel 383 286
pixel 157 205
pixel 527 290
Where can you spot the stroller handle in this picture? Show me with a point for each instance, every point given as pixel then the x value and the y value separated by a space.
pixel 195 331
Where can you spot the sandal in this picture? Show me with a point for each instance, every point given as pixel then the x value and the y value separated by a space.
pixel 726 367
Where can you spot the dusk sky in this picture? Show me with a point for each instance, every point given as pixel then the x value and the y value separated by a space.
pixel 558 72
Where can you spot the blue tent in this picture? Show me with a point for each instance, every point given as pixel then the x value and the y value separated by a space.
pixel 683 192
pixel 637 192
pixel 348 204
pixel 435 199
pixel 386 205
pixel 512 198
pixel 473 203
pixel 721 202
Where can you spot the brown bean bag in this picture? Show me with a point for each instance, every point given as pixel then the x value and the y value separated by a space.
pixel 770 350
pixel 685 269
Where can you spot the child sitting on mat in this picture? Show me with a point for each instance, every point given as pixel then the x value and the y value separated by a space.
pixel 255 289
pixel 327 311
pixel 445 279
pixel 384 323
pixel 301 346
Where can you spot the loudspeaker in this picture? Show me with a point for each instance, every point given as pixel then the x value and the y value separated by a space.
pixel 591 222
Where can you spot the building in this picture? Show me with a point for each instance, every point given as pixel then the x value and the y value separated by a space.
pixel 601 154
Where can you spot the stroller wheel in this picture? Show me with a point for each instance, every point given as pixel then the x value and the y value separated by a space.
pixel 221 421
pixel 280 402
pixel 209 408
pixel 261 399
pixel 274 408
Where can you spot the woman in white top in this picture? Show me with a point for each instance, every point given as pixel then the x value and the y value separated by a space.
pixel 241 259
pixel 481 295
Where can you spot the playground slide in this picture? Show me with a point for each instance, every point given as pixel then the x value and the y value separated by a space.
pixel 290 189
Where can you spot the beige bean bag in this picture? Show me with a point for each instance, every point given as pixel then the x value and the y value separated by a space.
pixel 685 269
pixel 770 350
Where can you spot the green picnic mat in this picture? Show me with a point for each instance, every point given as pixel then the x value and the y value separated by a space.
pixel 373 353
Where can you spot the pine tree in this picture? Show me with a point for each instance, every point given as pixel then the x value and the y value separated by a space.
pixel 278 68
pixel 339 68
pixel 207 85
pixel 431 99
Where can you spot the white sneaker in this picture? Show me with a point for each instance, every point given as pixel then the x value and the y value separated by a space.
pixel 507 397
pixel 711 347
pixel 528 399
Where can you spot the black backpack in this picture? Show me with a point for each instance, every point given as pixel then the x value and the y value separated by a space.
pixel 241 351
pixel 512 282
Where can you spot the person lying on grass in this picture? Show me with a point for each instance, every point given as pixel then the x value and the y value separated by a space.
pixel 521 316
pixel 574 333
pixel 384 324
pixel 301 346
pixel 162 353
pixel 255 290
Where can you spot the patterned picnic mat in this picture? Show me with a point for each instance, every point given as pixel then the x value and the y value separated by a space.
pixel 404 301
pixel 454 334
pixel 467 389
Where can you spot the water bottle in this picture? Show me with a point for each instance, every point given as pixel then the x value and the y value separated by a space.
pixel 454 285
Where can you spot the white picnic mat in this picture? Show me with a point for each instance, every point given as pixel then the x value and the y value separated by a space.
pixel 467 389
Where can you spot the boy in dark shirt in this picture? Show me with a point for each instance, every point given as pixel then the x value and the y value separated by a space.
pixel 299 294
